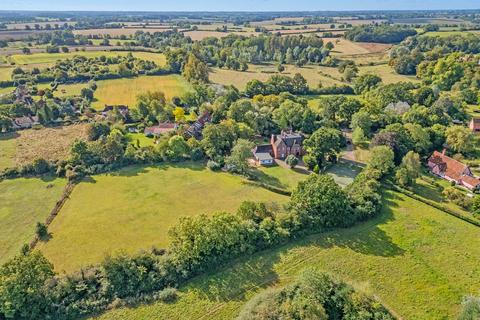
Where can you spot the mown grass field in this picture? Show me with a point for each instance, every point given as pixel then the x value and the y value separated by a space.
pixel 125 91
pixel 313 75
pixel 142 139
pixel 281 177
pixel 23 203
pixel 7 150
pixel 5 73
pixel 51 58
pixel 387 74
pixel 133 209
pixel 418 261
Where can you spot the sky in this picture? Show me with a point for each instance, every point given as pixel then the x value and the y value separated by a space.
pixel 238 5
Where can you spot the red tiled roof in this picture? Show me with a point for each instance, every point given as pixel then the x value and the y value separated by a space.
pixel 471 181
pixel 452 168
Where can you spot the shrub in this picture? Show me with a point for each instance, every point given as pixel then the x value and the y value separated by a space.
pixel 41 230
pixel 167 295
pixel 214 166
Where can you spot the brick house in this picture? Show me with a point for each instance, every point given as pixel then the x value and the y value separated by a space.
pixel 452 170
pixel 287 143
pixel 474 125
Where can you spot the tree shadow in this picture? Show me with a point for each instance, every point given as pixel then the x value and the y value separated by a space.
pixel 234 281
pixel 267 179
pixel 9 135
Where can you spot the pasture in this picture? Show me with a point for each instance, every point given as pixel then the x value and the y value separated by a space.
pixel 24 202
pixel 408 258
pixel 312 73
pixel 125 91
pixel 132 209
pixel 387 74
pixel 22 147
pixel 5 73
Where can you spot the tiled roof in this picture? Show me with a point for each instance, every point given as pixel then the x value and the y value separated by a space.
pixel 471 181
pixel 452 168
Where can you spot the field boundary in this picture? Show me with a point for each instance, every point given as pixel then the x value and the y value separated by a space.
pixel 67 191
pixel 449 211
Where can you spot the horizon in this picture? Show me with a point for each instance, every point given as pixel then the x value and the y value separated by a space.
pixel 244 6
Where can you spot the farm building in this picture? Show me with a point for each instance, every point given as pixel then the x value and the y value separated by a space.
pixel 160 129
pixel 195 130
pixel 452 170
pixel 475 125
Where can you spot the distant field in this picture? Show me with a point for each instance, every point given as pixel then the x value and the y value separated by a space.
pixel 6 73
pixel 313 75
pixel 416 260
pixel 6 90
pixel 133 209
pixel 51 58
pixel 387 74
pixel 448 33
pixel 51 144
pixel 24 202
pixel 125 91
pixel 117 32
pixel 200 35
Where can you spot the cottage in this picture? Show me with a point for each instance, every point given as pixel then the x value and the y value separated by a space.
pixel 123 110
pixel 287 143
pixel 263 155
pixel 452 170
pixel 160 129
pixel 195 130
pixel 25 122
pixel 475 125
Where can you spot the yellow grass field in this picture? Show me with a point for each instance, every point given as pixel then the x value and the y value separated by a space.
pixel 125 91
pixel 313 75
pixel 52 144
pixel 5 73
pixel 117 32
pixel 200 35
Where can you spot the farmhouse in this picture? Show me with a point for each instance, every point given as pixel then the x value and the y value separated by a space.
pixel 281 146
pixel 287 143
pixel 25 122
pixel 452 170
pixel 475 125
pixel 123 110
pixel 160 129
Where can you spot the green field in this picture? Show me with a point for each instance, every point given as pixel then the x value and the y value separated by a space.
pixel 7 150
pixel 313 74
pixel 281 177
pixel 125 91
pixel 387 74
pixel 418 261
pixel 50 58
pixel 23 203
pixel 133 209
pixel 143 140
pixel 6 73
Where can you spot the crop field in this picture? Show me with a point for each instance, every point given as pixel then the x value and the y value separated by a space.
pixel 5 73
pixel 313 75
pixel 116 32
pixel 387 74
pixel 202 34
pixel 51 144
pixel 51 58
pixel 125 91
pixel 24 202
pixel 132 209
pixel 408 258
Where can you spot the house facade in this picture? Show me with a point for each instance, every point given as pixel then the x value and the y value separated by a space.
pixel 474 125
pixel 281 146
pixel 287 143
pixel 452 170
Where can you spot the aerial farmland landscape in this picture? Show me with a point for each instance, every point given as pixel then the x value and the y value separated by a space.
pixel 262 160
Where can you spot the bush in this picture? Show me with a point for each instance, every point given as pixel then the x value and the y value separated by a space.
pixel 214 166
pixel 41 231
pixel 167 295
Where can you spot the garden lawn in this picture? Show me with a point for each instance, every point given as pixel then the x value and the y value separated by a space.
pixel 134 208
pixel 281 177
pixel 418 261
pixel 142 139
pixel 23 203
pixel 125 91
